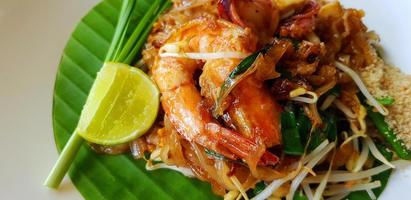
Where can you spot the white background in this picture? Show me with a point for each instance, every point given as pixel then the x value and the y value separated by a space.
pixel 32 36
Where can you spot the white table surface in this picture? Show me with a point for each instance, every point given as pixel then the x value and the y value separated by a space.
pixel 32 36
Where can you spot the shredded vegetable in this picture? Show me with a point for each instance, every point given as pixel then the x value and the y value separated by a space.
pixel 310 100
pixel 362 87
pixel 341 189
pixel 273 186
pixel 245 68
pixel 323 184
pixel 371 194
pixel 303 173
pixel 185 171
pixel 346 110
pixel 386 131
pixel 307 190
pixel 327 102
pixel 347 176
pixel 376 153
pixel 363 157
pixel 315 151
pixel 240 188
pixel 386 101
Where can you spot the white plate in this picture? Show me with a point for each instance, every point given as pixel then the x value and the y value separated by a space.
pixel 32 37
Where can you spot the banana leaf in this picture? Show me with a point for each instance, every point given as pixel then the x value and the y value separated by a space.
pixel 99 176
pixel 108 177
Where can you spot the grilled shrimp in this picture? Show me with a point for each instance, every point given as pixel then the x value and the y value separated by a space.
pixel 183 103
pixel 252 110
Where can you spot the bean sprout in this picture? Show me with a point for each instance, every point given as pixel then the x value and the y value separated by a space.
pixel 362 87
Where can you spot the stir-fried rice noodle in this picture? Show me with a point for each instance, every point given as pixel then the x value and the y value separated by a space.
pixel 309 67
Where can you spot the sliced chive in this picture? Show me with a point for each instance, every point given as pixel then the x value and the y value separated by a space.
pixel 131 56
pixel 386 131
pixel 291 137
pixel 125 13
pixel 142 25
pixel 386 101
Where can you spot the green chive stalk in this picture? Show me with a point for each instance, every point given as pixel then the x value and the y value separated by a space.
pixel 290 135
pixel 386 131
pixel 122 50
pixel 386 101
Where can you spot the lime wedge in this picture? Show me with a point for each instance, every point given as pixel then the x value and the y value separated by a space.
pixel 122 105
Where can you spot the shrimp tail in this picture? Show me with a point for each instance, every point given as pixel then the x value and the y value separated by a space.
pixel 268 158
pixel 241 146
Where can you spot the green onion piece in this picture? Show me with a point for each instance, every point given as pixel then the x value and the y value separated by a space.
pixel 291 137
pixel 388 134
pixel 300 196
pixel 122 24
pixel 244 65
pixel 64 161
pixel 242 70
pixel 386 101
pixel 122 53
pixel 329 131
pixel 232 80
pixel 259 187
pixel 140 33
pixel 336 90
pixel 316 138
pixel 330 126
pixel 303 126
pixel 116 49
pixel 214 154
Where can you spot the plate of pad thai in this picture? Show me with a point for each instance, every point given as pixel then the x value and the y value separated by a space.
pixel 259 99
